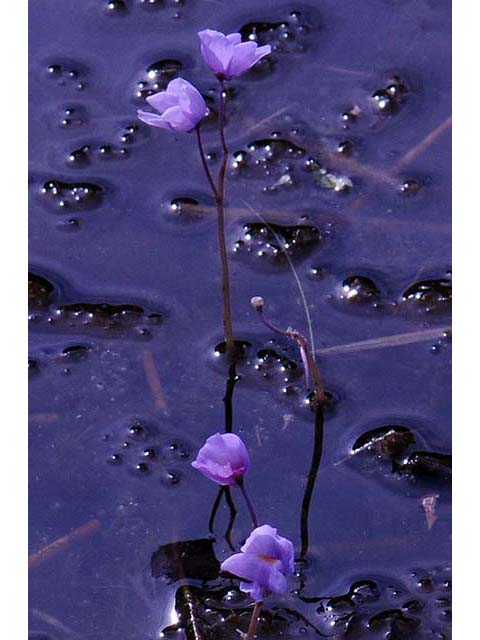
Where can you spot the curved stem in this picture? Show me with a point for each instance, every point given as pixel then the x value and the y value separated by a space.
pixel 213 513
pixel 312 476
pixel 251 508
pixel 254 621
pixel 233 515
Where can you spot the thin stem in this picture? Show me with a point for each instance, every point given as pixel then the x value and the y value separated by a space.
pixel 272 327
pixel 254 621
pixel 233 515
pixel 312 476
pixel 220 202
pixel 222 117
pixel 216 504
pixel 251 508
pixel 203 158
pixel 308 357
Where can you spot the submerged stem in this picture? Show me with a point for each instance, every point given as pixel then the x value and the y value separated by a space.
pixel 213 513
pixel 254 621
pixel 312 477
pixel 233 515
pixel 251 508
pixel 228 397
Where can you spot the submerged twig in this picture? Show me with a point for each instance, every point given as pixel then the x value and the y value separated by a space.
pixel 58 545
pixel 426 142
pixel 397 340
pixel 153 380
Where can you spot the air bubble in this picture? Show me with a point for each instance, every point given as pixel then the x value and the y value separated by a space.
pixel 156 77
pixel 358 289
pixel 65 196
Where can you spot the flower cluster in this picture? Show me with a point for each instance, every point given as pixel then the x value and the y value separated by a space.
pixel 181 107
pixel 265 558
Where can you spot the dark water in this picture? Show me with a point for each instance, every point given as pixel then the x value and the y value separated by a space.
pixel 126 312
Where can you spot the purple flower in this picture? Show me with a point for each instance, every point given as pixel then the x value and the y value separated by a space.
pixel 227 56
pixel 223 459
pixel 181 107
pixel 264 560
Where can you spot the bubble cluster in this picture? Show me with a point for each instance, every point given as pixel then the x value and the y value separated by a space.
pixel 286 164
pixel 69 75
pixel 418 606
pixel 156 77
pixel 221 611
pixel 67 196
pixel 389 98
pixel 72 116
pixel 270 242
pixel 429 296
pixel 285 36
pixel 138 447
pixel 271 157
pixel 83 156
pixel 277 365
pixel 122 7
pixel 48 309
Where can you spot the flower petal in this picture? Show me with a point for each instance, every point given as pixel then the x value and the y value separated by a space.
pixel 236 452
pixel 277 582
pixel 216 49
pixel 248 567
pixel 178 119
pixel 243 58
pixel 261 52
pixel 234 38
pixel 153 119
pixel 162 100
pixel 256 591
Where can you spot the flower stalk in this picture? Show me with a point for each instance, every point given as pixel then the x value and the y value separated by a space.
pixel 308 359
pixel 218 191
pixel 254 621
pixel 250 507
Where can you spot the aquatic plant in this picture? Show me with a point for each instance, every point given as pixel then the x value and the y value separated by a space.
pixel 266 557
pixel 182 109
pixel 312 375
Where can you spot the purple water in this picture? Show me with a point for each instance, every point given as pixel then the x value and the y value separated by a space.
pixel 126 314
